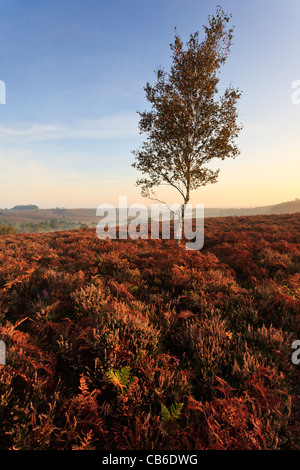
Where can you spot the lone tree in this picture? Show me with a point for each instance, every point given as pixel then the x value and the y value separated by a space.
pixel 189 124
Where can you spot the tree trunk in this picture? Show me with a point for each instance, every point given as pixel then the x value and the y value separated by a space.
pixel 181 214
pixel 180 224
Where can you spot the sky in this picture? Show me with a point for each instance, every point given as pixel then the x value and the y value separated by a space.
pixel 72 80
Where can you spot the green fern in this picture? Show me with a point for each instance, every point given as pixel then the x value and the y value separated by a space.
pixel 172 414
pixel 120 378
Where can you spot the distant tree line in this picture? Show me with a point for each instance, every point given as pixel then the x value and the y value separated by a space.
pixel 7 229
pixel 25 207
pixel 53 225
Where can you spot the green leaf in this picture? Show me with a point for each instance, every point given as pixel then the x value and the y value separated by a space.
pixel 172 414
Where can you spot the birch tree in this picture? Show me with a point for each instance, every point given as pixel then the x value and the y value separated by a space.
pixel 189 123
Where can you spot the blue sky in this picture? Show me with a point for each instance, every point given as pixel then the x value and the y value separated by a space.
pixel 74 72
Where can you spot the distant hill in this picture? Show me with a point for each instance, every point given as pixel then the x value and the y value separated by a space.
pixel 289 207
pixel 28 207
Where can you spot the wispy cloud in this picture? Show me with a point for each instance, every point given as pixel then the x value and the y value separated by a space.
pixel 26 166
pixel 119 125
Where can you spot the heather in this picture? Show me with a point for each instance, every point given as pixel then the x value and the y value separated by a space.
pixel 141 344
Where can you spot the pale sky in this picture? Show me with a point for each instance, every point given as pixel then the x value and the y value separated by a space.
pixel 74 72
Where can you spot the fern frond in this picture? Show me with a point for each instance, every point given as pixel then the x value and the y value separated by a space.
pixel 175 410
pixel 165 414
pixel 172 414
pixel 125 375
pixel 119 378
pixel 83 385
